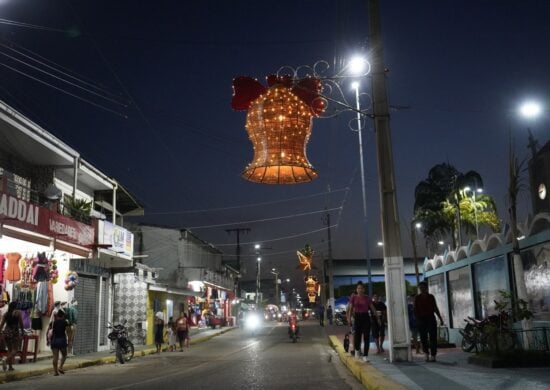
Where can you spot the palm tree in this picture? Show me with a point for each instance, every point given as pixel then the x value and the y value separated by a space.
pixel 442 205
pixel 514 187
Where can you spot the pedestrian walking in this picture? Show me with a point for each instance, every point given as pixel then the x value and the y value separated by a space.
pixel 424 309
pixel 359 306
pixel 171 337
pixel 182 329
pixel 12 330
pixel 379 328
pixel 159 330
pixel 321 314
pixel 57 338
pixel 330 314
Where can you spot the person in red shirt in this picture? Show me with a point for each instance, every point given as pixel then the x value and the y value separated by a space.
pixel 359 306
pixel 293 320
pixel 424 309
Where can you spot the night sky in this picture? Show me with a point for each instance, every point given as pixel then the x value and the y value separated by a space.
pixel 458 72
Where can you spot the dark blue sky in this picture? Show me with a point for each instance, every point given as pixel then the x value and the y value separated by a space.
pixel 461 67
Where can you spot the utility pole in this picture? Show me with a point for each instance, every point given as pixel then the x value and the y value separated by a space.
pixel 238 250
pixel 330 265
pixel 398 321
pixel 238 253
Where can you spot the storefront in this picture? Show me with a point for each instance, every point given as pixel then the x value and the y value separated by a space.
pixel 36 248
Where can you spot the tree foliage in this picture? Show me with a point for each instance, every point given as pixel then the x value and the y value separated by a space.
pixel 441 202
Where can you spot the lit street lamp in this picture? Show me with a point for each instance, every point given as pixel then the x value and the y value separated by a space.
pixel 259 259
pixel 480 190
pixel 531 111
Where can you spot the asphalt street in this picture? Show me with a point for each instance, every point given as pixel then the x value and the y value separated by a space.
pixel 266 359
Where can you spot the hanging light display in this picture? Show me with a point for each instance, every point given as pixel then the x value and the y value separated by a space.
pixel 313 288
pixel 278 123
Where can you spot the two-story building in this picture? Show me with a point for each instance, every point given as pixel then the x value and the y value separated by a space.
pixel 55 241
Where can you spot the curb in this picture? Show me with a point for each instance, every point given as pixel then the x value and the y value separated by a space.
pixel 369 376
pixel 83 363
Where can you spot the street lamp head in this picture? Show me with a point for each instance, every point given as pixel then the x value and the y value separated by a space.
pixel 257 246
pixel 441 242
pixel 357 65
pixel 530 110
pixel 273 269
pixel 418 225
pixel 480 190
pixel 355 85
pixel 259 259
pixel 380 243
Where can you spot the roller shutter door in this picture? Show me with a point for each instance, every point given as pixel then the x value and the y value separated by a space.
pixel 87 295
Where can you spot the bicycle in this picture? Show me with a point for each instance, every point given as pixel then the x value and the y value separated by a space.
pixel 120 344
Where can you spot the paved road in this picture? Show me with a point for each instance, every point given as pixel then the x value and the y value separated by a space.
pixel 235 360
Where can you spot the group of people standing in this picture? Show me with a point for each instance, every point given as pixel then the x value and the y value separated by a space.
pixel 176 332
pixel 365 315
pixel 12 329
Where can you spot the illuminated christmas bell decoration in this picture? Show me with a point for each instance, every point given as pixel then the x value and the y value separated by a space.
pixel 278 123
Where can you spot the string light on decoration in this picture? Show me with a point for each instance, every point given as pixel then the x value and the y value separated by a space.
pixel 278 123
pixel 313 288
pixel 279 117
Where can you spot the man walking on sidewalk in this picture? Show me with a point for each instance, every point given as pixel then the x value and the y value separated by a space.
pixel 424 309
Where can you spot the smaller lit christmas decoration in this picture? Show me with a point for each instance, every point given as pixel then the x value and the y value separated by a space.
pixel 279 124
pixel 313 288
pixel 305 257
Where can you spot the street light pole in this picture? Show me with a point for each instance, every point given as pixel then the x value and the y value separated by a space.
pixel 363 188
pixel 277 298
pixel 414 226
pixel 259 259
pixel 398 329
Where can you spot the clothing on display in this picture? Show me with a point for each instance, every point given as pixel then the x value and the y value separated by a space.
pixel 40 271
pixel 13 273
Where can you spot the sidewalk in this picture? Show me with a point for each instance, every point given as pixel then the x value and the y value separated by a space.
pixel 451 371
pixel 43 365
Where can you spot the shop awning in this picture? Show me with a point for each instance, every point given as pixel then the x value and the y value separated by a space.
pixel 175 291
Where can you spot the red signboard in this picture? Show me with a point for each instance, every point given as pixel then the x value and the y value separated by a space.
pixel 22 214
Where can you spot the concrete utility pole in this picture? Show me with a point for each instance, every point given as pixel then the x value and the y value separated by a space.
pixel 238 253
pixel 398 323
pixel 238 250
pixel 330 265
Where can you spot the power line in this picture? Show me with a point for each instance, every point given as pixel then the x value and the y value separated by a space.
pixel 245 205
pixel 263 219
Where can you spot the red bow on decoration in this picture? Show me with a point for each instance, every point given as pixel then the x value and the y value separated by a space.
pixel 246 90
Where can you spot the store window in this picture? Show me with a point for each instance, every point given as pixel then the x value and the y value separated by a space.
pixel 460 296
pixel 489 279
pixel 536 266
pixel 436 285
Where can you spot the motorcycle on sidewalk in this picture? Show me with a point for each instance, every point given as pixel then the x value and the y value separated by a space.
pixel 123 347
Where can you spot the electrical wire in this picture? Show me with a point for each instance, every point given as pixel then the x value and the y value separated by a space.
pixel 262 219
pixel 61 79
pixel 64 91
pixel 246 205
pixel 28 25
pixel 60 69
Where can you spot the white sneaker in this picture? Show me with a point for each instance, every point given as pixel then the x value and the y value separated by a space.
pixel 357 355
pixel 366 359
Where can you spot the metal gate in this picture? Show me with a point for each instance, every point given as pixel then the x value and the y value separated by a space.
pixel 86 293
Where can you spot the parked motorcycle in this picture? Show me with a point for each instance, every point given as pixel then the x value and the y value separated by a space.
pixel 123 347
pixel 489 334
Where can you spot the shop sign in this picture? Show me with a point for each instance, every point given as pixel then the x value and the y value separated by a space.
pixel 22 214
pixel 15 185
pixel 86 267
pixel 120 240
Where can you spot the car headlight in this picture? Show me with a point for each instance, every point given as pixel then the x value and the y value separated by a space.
pixel 252 321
